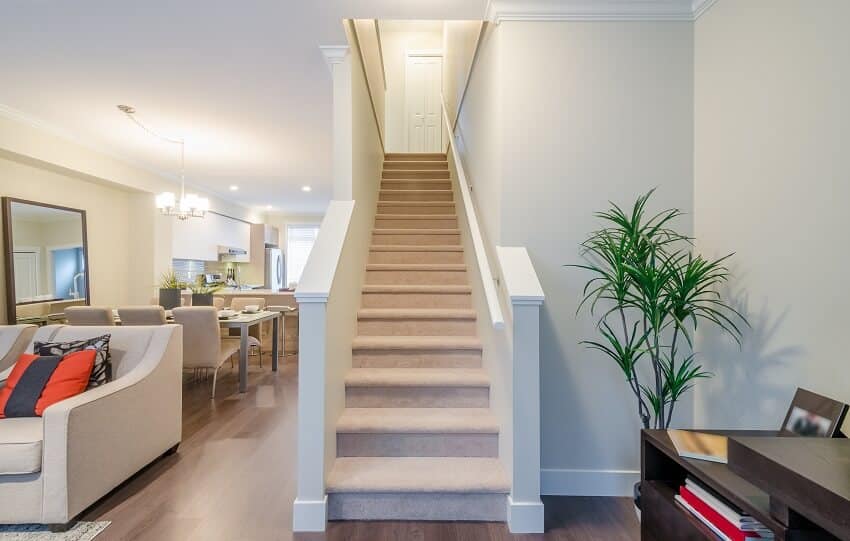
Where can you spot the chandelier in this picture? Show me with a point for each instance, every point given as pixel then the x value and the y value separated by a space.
pixel 189 205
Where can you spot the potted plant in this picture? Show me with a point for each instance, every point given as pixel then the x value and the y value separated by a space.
pixel 648 292
pixel 170 290
pixel 202 293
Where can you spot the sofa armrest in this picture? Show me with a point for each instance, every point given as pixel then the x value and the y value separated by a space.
pixel 14 340
pixel 96 440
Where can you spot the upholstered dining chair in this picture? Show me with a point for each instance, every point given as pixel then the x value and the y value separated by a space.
pixel 218 302
pixel 203 348
pixel 256 333
pixel 142 315
pixel 89 316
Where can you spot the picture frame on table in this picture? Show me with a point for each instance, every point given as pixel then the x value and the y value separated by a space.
pixel 814 415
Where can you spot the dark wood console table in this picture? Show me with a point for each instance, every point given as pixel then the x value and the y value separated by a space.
pixel 808 479
pixel 663 471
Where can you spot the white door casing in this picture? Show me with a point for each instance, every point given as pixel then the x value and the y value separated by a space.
pixel 27 269
pixel 423 85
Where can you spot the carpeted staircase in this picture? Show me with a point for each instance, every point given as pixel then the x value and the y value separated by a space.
pixel 417 440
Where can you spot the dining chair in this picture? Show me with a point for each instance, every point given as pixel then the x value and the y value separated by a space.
pixel 255 333
pixel 89 316
pixel 142 315
pixel 218 302
pixel 203 348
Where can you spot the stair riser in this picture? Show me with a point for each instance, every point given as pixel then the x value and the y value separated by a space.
pixel 416 300
pixel 433 444
pixel 390 184
pixel 408 208
pixel 410 164
pixel 416 359
pixel 394 277
pixel 410 195
pixel 417 506
pixel 415 223
pixel 417 397
pixel 444 173
pixel 416 327
pixel 415 257
pixel 416 239
pixel 423 157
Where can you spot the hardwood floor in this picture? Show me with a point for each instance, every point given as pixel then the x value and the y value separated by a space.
pixel 233 479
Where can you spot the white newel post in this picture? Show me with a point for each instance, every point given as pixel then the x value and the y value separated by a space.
pixel 309 512
pixel 525 509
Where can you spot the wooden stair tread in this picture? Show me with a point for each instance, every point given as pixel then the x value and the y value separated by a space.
pixel 416 248
pixel 417 313
pixel 406 288
pixel 417 377
pixel 416 343
pixel 418 203
pixel 418 475
pixel 415 231
pixel 416 266
pixel 380 216
pixel 418 421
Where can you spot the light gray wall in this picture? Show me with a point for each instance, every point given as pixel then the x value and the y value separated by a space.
pixel 772 182
pixel 479 140
pixel 585 112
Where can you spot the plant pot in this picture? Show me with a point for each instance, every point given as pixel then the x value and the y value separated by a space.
pixel 170 298
pixel 637 499
pixel 202 299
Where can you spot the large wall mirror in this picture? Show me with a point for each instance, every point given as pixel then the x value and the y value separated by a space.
pixel 46 259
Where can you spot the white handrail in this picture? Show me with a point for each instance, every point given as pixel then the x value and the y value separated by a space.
pixel 490 293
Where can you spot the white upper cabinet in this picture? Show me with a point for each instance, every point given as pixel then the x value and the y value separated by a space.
pixel 200 238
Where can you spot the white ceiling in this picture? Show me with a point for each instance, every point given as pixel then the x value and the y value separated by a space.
pixel 242 81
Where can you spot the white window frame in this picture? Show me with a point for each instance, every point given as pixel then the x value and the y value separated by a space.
pixel 286 254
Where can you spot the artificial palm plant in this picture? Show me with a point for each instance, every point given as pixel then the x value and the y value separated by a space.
pixel 649 292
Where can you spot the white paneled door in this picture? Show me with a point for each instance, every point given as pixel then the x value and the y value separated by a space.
pixel 423 81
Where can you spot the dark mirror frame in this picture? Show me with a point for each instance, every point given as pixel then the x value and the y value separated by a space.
pixel 11 304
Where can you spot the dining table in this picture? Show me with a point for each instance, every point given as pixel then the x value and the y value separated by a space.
pixel 244 321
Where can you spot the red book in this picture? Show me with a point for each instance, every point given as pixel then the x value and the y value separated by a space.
pixel 732 531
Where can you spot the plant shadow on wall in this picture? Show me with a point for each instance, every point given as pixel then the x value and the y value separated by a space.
pixel 650 293
pixel 751 388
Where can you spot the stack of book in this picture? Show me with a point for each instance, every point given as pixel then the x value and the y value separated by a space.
pixel 728 523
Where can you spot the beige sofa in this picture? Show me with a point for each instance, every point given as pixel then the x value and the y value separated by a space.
pixel 14 339
pixel 53 467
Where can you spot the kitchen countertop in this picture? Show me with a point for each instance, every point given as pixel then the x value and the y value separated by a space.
pixel 248 292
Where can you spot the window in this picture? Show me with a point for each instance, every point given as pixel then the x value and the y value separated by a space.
pixel 299 242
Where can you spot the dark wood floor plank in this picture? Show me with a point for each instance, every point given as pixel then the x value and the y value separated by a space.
pixel 233 479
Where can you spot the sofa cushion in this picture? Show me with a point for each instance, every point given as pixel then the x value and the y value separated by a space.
pixel 102 372
pixel 20 445
pixel 37 382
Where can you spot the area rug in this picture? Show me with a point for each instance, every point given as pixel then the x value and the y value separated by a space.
pixel 82 531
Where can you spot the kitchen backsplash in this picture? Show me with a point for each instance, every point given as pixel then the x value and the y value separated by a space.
pixel 188 270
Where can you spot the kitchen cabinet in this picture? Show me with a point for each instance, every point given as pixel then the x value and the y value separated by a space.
pixel 199 239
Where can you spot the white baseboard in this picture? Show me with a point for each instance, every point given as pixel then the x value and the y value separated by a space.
pixel 525 517
pixel 588 482
pixel 309 516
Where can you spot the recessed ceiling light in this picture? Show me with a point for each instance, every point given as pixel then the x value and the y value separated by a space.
pixel 234 187
pixel 268 207
pixel 306 188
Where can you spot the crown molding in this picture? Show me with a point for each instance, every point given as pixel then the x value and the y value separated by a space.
pixel 595 10
pixel 701 6
pixel 334 54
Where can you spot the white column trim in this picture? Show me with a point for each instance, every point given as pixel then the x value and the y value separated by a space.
pixel 334 54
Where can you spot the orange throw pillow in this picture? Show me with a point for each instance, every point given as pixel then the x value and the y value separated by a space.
pixel 70 377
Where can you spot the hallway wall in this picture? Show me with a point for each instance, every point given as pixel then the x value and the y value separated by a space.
pixel 772 184
pixel 398 37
